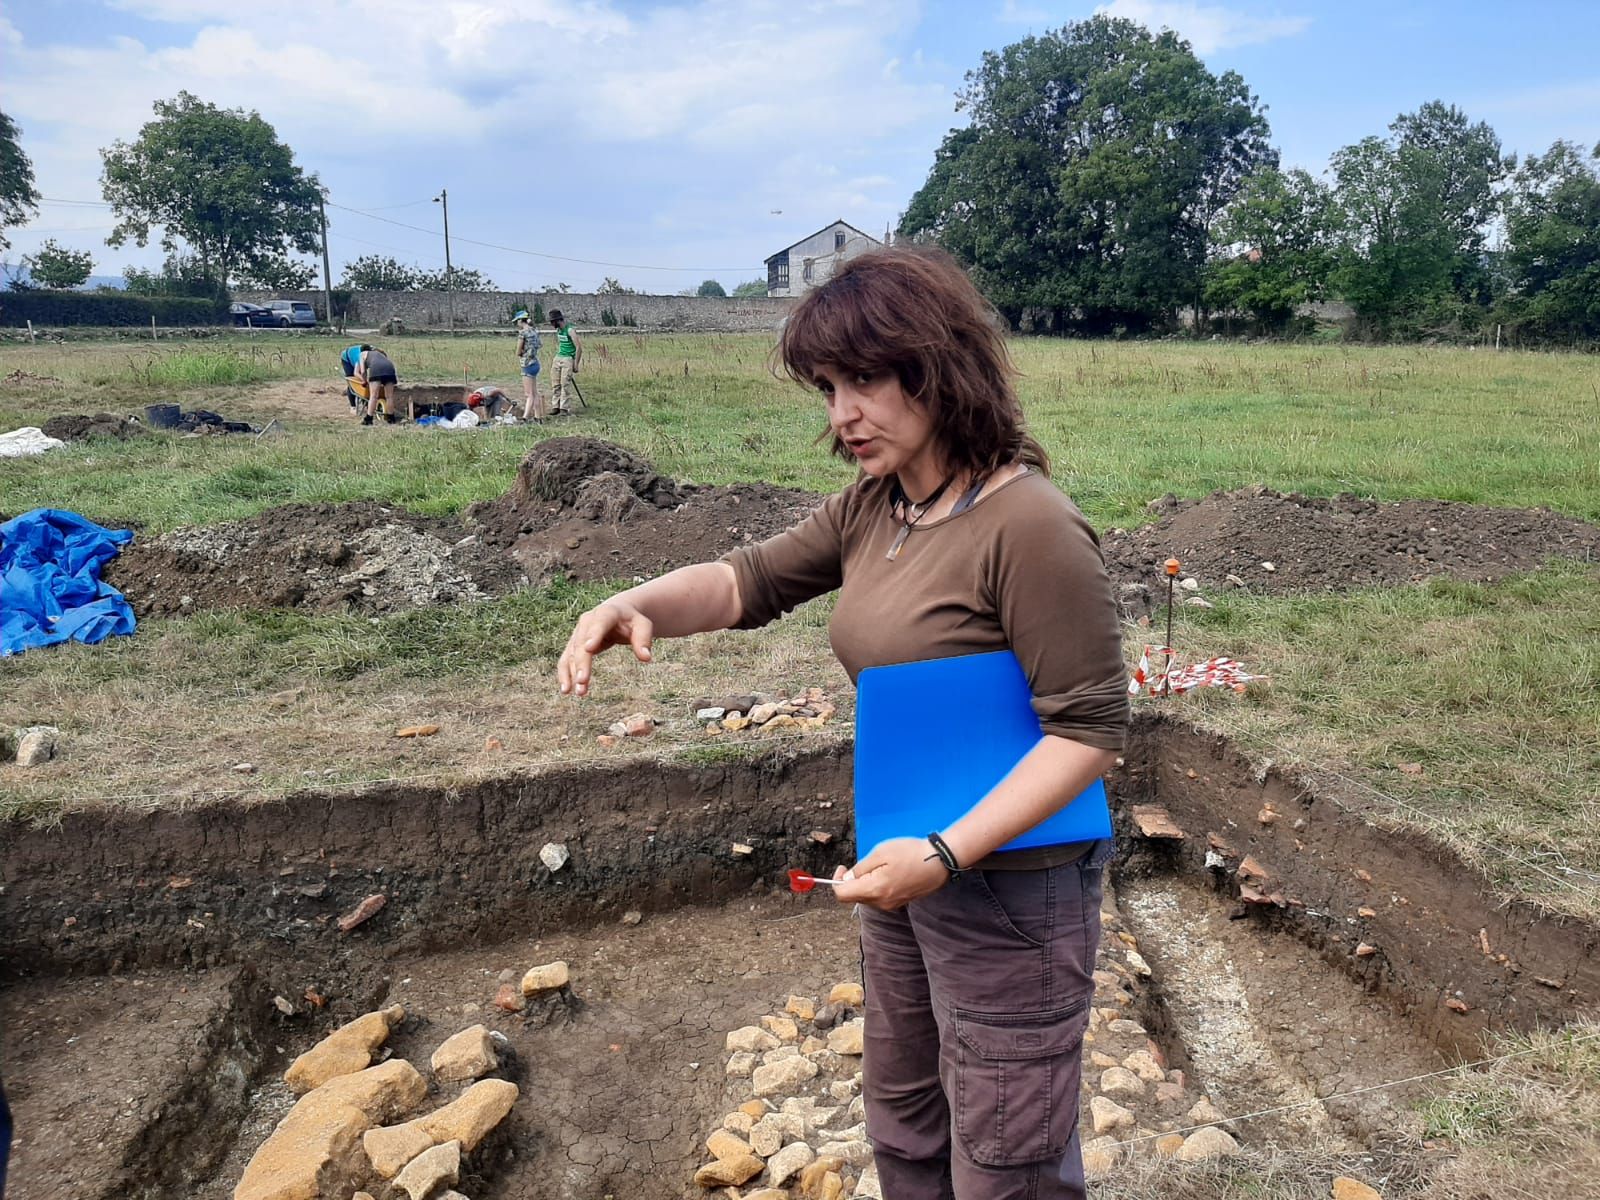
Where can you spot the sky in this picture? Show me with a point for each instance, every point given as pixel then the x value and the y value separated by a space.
pixel 662 144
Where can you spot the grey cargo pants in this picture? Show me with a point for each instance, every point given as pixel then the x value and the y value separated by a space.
pixel 977 997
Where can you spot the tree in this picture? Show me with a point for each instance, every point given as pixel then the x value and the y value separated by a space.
pixel 460 279
pixel 216 179
pixel 378 273
pixel 1086 184
pixel 54 266
pixel 1279 243
pixel 750 287
pixel 1414 207
pixel 711 288
pixel 610 287
pixel 180 275
pixel 281 275
pixel 19 199
pixel 1553 244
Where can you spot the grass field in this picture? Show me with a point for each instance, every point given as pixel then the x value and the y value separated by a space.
pixel 1124 423
pixel 1489 695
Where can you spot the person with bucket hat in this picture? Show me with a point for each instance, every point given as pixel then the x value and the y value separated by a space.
pixel 528 352
pixel 569 354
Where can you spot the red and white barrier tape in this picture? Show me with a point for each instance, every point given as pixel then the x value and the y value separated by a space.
pixel 1174 681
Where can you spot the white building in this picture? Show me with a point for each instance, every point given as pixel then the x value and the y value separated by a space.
pixel 796 269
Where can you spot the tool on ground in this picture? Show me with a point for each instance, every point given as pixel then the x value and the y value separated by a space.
pixel 801 882
pixel 573 380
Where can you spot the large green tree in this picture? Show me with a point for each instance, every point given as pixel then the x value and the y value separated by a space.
pixel 1414 208
pixel 1277 247
pixel 1552 218
pixel 217 180
pixel 378 273
pixel 56 266
pixel 19 199
pixel 1096 160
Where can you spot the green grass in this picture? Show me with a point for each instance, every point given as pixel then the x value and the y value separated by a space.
pixel 1489 695
pixel 1124 423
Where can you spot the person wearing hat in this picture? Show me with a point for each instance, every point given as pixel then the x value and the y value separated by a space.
pixel 569 353
pixel 528 352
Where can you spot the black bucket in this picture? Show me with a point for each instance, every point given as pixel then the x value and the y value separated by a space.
pixel 163 416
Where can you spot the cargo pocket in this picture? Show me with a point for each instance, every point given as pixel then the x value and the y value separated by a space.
pixel 1017 1077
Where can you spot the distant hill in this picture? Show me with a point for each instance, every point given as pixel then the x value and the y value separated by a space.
pixel 9 272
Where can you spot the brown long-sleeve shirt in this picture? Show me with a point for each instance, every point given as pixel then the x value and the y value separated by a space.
pixel 1019 570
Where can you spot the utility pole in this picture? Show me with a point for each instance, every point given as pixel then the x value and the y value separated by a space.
pixel 443 200
pixel 327 271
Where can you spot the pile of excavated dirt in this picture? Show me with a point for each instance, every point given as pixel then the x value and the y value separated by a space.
pixel 1315 544
pixel 592 510
pixel 75 427
pixel 362 557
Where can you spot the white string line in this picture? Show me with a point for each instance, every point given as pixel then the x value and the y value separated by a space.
pixel 1376 1087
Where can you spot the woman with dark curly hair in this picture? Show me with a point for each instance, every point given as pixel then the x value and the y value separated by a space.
pixel 979 960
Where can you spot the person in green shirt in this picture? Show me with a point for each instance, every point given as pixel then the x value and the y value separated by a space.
pixel 569 356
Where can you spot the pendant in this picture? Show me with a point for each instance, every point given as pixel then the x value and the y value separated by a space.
pixel 899 541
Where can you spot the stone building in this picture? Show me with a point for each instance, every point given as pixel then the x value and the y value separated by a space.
pixel 810 262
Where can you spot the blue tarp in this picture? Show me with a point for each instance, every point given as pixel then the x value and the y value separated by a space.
pixel 50 589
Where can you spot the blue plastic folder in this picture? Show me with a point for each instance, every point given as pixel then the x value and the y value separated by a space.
pixel 932 740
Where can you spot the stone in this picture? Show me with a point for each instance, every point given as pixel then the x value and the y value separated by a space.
pixel 363 912
pixel 738 1122
pixel 741 1065
pixel 345 1051
pixel 1142 1064
pixel 548 978
pixel 316 1148
pixel 735 722
pixel 743 849
pixel 491 743
pixel 1119 1081
pixel 632 917
pixel 1169 1145
pixel 856 1152
pixel 1123 1025
pixel 781 1028
pixel 1169 1093
pixel 606 739
pixel 801 1006
pixel 1108 1115
pixel 1137 964
pixel 390 1148
pixel 639 725
pixel 767 1136
pixel 710 714
pixel 729 1172
pixel 1364 950
pixel 762 713
pixel 469 1118
pixel 1345 1188
pixel 430 1170
pixel 812 1175
pixel 755 1108
pixel 784 1076
pixel 509 997
pixel 847 1038
pixel 827 1060
pixel 465 1055
pixel 788 1162
pixel 766 1193
pixel 1154 822
pixel 416 731
pixel 726 1144
pixel 1100 1156
pixel 812 1045
pixel 868 1186
pixel 750 1038
pixel 778 1053
pixel 554 855
pixel 842 1090
pixel 846 993
pixel 1205 1113
pixel 1205 1144
pixel 1102 1061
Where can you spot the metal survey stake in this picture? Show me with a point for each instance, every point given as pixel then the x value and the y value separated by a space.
pixel 1173 567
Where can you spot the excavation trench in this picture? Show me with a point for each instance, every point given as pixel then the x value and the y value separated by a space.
pixel 144 952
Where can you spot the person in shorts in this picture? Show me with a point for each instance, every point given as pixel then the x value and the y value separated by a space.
pixel 376 371
pixel 354 391
pixel 528 353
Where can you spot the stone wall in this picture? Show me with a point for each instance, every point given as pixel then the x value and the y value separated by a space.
pixel 491 310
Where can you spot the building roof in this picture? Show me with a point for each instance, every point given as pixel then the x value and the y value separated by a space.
pixel 824 229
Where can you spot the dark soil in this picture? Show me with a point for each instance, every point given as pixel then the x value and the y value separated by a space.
pixel 1318 544
pixel 80 428
pixel 587 509
pixel 150 947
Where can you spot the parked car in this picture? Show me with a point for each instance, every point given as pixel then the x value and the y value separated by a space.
pixel 291 312
pixel 251 314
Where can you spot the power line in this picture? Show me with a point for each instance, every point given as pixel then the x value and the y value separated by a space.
pixel 590 262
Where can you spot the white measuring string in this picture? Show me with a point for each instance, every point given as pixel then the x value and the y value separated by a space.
pixel 1361 1091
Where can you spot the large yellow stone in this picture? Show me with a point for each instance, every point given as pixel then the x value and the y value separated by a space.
pixel 470 1117
pixel 316 1149
pixel 724 1144
pixel 846 993
pixel 1345 1188
pixel 392 1147
pixel 729 1171
pixel 344 1051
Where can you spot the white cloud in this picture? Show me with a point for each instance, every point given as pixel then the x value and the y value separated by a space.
pixel 1014 13
pixel 1208 27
